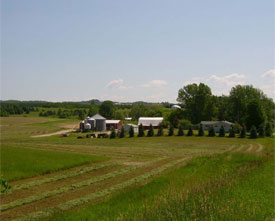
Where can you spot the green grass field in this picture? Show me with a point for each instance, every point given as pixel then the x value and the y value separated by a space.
pixel 149 178
pixel 18 163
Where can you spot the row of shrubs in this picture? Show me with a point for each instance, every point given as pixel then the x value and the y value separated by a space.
pixel 262 132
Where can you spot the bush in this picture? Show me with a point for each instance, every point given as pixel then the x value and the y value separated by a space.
pixel 253 132
pixel 150 131
pixel 180 131
pixel 243 132
pixel 222 131
pixel 160 130
pixel 190 132
pixel 231 132
pixel 131 132
pixel 201 131
pixel 164 124
pixel 140 131
pixel 171 130
pixel 122 134
pixel 113 134
pixel 268 130
pixel 211 132
pixel 261 130
pixel 237 128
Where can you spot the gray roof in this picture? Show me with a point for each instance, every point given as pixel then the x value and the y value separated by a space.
pixel 98 117
pixel 215 122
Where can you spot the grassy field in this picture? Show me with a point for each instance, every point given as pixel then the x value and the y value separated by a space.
pixel 149 178
pixel 18 162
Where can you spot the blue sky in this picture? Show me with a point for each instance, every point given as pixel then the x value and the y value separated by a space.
pixel 124 50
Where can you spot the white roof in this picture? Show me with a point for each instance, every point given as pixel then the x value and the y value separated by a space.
pixel 112 121
pixel 146 121
pixel 175 106
pixel 133 125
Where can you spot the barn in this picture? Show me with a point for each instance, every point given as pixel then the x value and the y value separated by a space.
pixel 116 124
pixel 146 121
pixel 217 125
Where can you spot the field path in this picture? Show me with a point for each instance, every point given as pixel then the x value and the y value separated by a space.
pixel 55 133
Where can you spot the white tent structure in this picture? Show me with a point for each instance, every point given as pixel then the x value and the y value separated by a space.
pixel 175 106
pixel 146 121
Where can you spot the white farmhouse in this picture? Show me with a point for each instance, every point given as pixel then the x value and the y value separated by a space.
pixel 217 125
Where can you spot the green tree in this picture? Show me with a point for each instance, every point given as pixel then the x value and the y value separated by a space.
pixel 137 111
pixel 222 131
pixel 131 132
pixel 201 131
pixel 113 133
pixel 107 109
pixel 231 132
pixel 140 131
pixel 255 114
pixel 268 130
pixel 190 132
pixel 211 132
pixel 253 132
pixel 81 115
pixel 180 131
pixel 261 130
pixel 171 130
pixel 239 98
pixel 198 102
pixel 160 130
pixel 121 134
pixel 243 132
pixel 93 110
pixel 150 132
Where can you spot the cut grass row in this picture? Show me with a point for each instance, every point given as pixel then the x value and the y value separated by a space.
pixel 64 175
pixel 71 187
pixel 82 200
pixel 155 200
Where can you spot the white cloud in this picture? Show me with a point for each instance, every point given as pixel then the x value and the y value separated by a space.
pixel 119 84
pixel 155 83
pixel 270 73
pixel 114 83
pixel 228 80
pixel 123 87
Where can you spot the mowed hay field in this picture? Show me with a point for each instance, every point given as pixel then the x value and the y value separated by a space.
pixel 149 178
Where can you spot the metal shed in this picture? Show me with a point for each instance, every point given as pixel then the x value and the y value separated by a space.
pixel 146 121
pixel 100 122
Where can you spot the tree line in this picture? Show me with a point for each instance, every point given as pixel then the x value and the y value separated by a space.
pixel 245 106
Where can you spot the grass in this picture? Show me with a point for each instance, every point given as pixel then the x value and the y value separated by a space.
pixel 210 187
pixel 18 163
pixel 205 189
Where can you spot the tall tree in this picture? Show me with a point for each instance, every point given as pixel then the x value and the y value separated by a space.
pixel 239 98
pixel 107 109
pixel 255 114
pixel 198 102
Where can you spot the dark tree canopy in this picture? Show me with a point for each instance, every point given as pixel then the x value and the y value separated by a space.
pixel 107 109
pixel 255 114
pixel 198 102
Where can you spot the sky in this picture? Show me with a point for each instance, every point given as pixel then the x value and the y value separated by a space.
pixel 125 50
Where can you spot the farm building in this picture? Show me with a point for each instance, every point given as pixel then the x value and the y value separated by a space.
pixel 217 125
pixel 128 118
pixel 116 124
pixel 127 127
pixel 146 121
pixel 175 106
pixel 100 122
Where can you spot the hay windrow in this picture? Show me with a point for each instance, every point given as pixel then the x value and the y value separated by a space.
pixel 79 201
pixel 71 187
